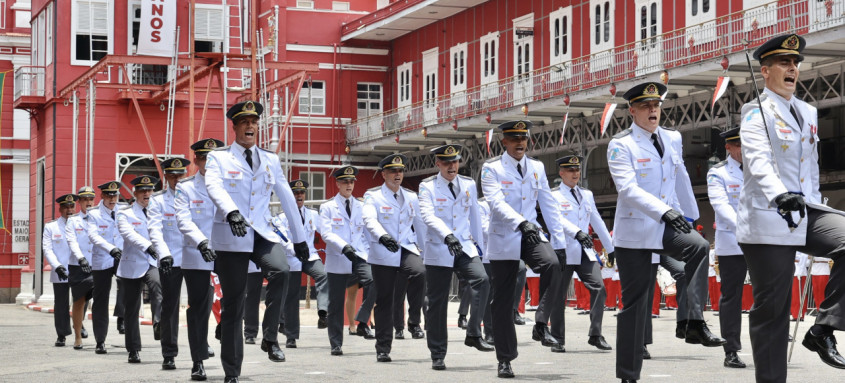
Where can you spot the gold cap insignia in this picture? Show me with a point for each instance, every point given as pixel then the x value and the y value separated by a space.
pixel 519 125
pixel 249 107
pixel 450 151
pixel 397 160
pixel 574 160
pixel 69 198
pixel 348 171
pixel 145 180
pixel 791 42
pixel 650 90
pixel 210 144
pixel 299 184
pixel 113 186
pixel 176 163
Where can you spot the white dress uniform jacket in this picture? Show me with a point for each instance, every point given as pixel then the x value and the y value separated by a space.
pixel 103 234
pixel 80 245
pixel 444 214
pixel 132 225
pixel 513 199
pixel 582 215
pixel 724 184
pixel 194 216
pixel 648 186
pixel 311 225
pixel 164 228
pixel 55 248
pixel 340 230
pixel 384 214
pixel 484 212
pixel 233 185
pixel 784 159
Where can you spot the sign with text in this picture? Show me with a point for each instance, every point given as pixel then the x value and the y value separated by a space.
pixel 158 28
pixel 20 235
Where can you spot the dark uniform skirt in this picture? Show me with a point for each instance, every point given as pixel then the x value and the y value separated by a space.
pixel 81 283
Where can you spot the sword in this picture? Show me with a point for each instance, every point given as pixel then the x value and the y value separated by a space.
pixel 801 301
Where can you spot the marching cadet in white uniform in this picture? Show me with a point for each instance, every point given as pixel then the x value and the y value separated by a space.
pixel 313 266
pixel 724 183
pixel 392 217
pixel 578 207
pixel 449 208
pixel 781 173
pixel 138 264
pixel 513 184
pixel 194 216
pixel 347 246
pixel 165 235
pixel 56 251
pixel 240 180
pixel 80 280
pixel 654 195
pixel 106 252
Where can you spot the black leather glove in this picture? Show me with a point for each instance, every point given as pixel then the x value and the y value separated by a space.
pixel 349 252
pixel 207 253
pixel 530 233
pixel 301 251
pixel 237 223
pixel 454 245
pixel 584 239
pixel 611 259
pixel 791 202
pixel 165 265
pixel 86 267
pixel 115 253
pixel 152 252
pixel 388 242
pixel 61 271
pixel 677 221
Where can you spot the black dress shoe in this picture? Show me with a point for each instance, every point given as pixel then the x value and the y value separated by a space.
pixel 489 339
pixel 541 332
pixel 210 352
pixel 732 360
pixel 646 354
pixel 825 346
pixel 478 343
pixel 156 331
pixel 218 332
pixel 337 351
pixel 198 372
pixel 273 351
pixel 505 370
pixel 416 331
pixel 437 364
pixel 100 349
pixel 400 334
pixel 134 357
pixel 383 357
pixel 84 333
pixel 168 363
pixel 231 379
pixel 517 319
pixel 321 321
pixel 281 328
pixel 365 331
pixel 599 342
pixel 290 343
pixel 585 312
pixel 681 329
pixel 462 321
pixel 77 346
pixel 629 381
pixel 698 333
pixel 60 341
pixel 249 340
pixel 558 347
pixel 121 328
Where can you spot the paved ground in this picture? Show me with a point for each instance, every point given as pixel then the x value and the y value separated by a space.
pixel 27 354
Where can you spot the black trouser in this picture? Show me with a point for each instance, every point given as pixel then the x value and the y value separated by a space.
pixel 590 274
pixel 290 313
pixel 119 308
pixel 648 338
pixel 520 287
pixel 466 296
pixel 254 283
pixel 439 281
pixel 488 305
pixel 637 280
pixel 410 280
pixel 542 260
pixel 337 283
pixel 61 309
pixel 232 269
pixel 132 302
pixel 771 268
pixel 200 298
pixel 100 307
pixel 171 291
pixel 676 269
pixel 732 269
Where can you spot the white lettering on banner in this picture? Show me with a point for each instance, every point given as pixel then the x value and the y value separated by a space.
pixel 158 28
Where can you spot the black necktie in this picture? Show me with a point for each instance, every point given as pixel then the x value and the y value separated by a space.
pixel 112 216
pixel 740 167
pixel 248 154
pixel 302 216
pixel 348 209
pixel 145 212
pixel 656 141
pixel 795 116
pixel 455 196
pixel 396 196
pixel 574 195
pixel 519 168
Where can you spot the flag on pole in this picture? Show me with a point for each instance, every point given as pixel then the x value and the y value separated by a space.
pixel 721 87
pixel 607 116
pixel 489 138
pixel 563 130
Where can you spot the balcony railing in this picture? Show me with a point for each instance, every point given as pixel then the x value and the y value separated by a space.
pixel 693 44
pixel 29 81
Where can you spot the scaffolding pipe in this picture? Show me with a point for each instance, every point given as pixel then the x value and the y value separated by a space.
pixel 75 140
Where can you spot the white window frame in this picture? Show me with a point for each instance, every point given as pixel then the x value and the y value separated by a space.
pixel 490 42
pixel 700 16
pixel 404 81
pixel 458 68
pixel 73 30
pixel 305 4
pixel 563 16
pixel 606 27
pixel 650 47
pixel 368 111
pixel 341 6
pixel 48 34
pixel 211 34
pixel 765 17
pixel 314 192
pixel 311 95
